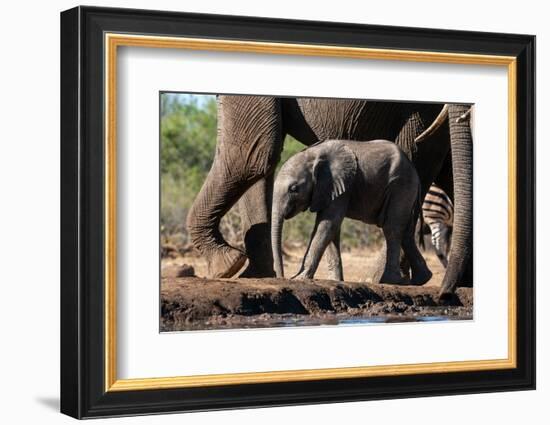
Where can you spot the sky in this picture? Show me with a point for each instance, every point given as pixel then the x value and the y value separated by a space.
pixel 201 99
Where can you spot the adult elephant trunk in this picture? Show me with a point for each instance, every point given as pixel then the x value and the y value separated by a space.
pixel 219 192
pixel 461 151
pixel 248 146
pixel 277 219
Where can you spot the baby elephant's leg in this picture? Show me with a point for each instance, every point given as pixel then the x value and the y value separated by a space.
pixel 327 224
pixel 392 271
pixel 420 271
pixel 334 258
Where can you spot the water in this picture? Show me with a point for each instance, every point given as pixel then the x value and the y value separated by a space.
pixel 323 321
pixel 292 321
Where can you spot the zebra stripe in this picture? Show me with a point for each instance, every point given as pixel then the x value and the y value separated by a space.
pixel 437 207
pixel 437 211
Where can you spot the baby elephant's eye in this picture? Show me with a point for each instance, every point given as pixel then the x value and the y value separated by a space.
pixel 293 188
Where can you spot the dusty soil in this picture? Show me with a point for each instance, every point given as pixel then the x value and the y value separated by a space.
pixel 194 303
pixel 359 265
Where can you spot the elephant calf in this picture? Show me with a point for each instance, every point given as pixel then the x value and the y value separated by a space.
pixel 372 182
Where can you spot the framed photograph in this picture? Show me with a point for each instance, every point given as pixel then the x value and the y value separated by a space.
pixel 261 212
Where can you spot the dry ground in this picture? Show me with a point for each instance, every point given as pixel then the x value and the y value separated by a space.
pixel 359 265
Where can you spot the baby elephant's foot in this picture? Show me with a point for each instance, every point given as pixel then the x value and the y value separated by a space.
pixel 420 278
pixel 336 277
pixel 393 278
pixel 303 275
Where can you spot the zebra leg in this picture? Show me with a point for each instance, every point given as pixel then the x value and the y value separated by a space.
pixel 439 240
pixel 438 213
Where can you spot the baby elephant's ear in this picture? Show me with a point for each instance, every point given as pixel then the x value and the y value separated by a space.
pixel 334 169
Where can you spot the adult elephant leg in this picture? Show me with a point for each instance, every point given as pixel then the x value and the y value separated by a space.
pixel 219 192
pixel 445 177
pixel 461 244
pixel 248 148
pixel 445 182
pixel 255 210
pixel 427 157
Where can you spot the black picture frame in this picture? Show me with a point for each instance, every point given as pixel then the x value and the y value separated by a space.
pixel 83 392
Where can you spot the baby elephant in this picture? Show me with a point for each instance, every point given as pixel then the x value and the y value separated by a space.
pixel 373 182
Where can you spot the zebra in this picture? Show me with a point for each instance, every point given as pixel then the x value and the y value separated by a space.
pixel 437 212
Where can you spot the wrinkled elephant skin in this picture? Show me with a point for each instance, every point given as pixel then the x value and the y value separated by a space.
pixel 250 134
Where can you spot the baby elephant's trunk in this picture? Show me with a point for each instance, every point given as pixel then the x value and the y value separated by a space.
pixel 277 219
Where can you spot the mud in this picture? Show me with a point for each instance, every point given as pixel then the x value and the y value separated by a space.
pixel 192 303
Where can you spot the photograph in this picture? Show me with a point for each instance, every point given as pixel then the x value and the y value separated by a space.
pixel 307 211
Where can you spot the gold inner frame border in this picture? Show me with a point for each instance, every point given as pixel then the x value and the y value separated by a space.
pixel 113 40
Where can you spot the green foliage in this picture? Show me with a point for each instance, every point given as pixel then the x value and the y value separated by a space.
pixel 188 140
pixel 188 130
pixel 291 146
pixel 174 203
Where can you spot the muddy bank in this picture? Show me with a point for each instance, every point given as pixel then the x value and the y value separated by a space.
pixel 189 303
